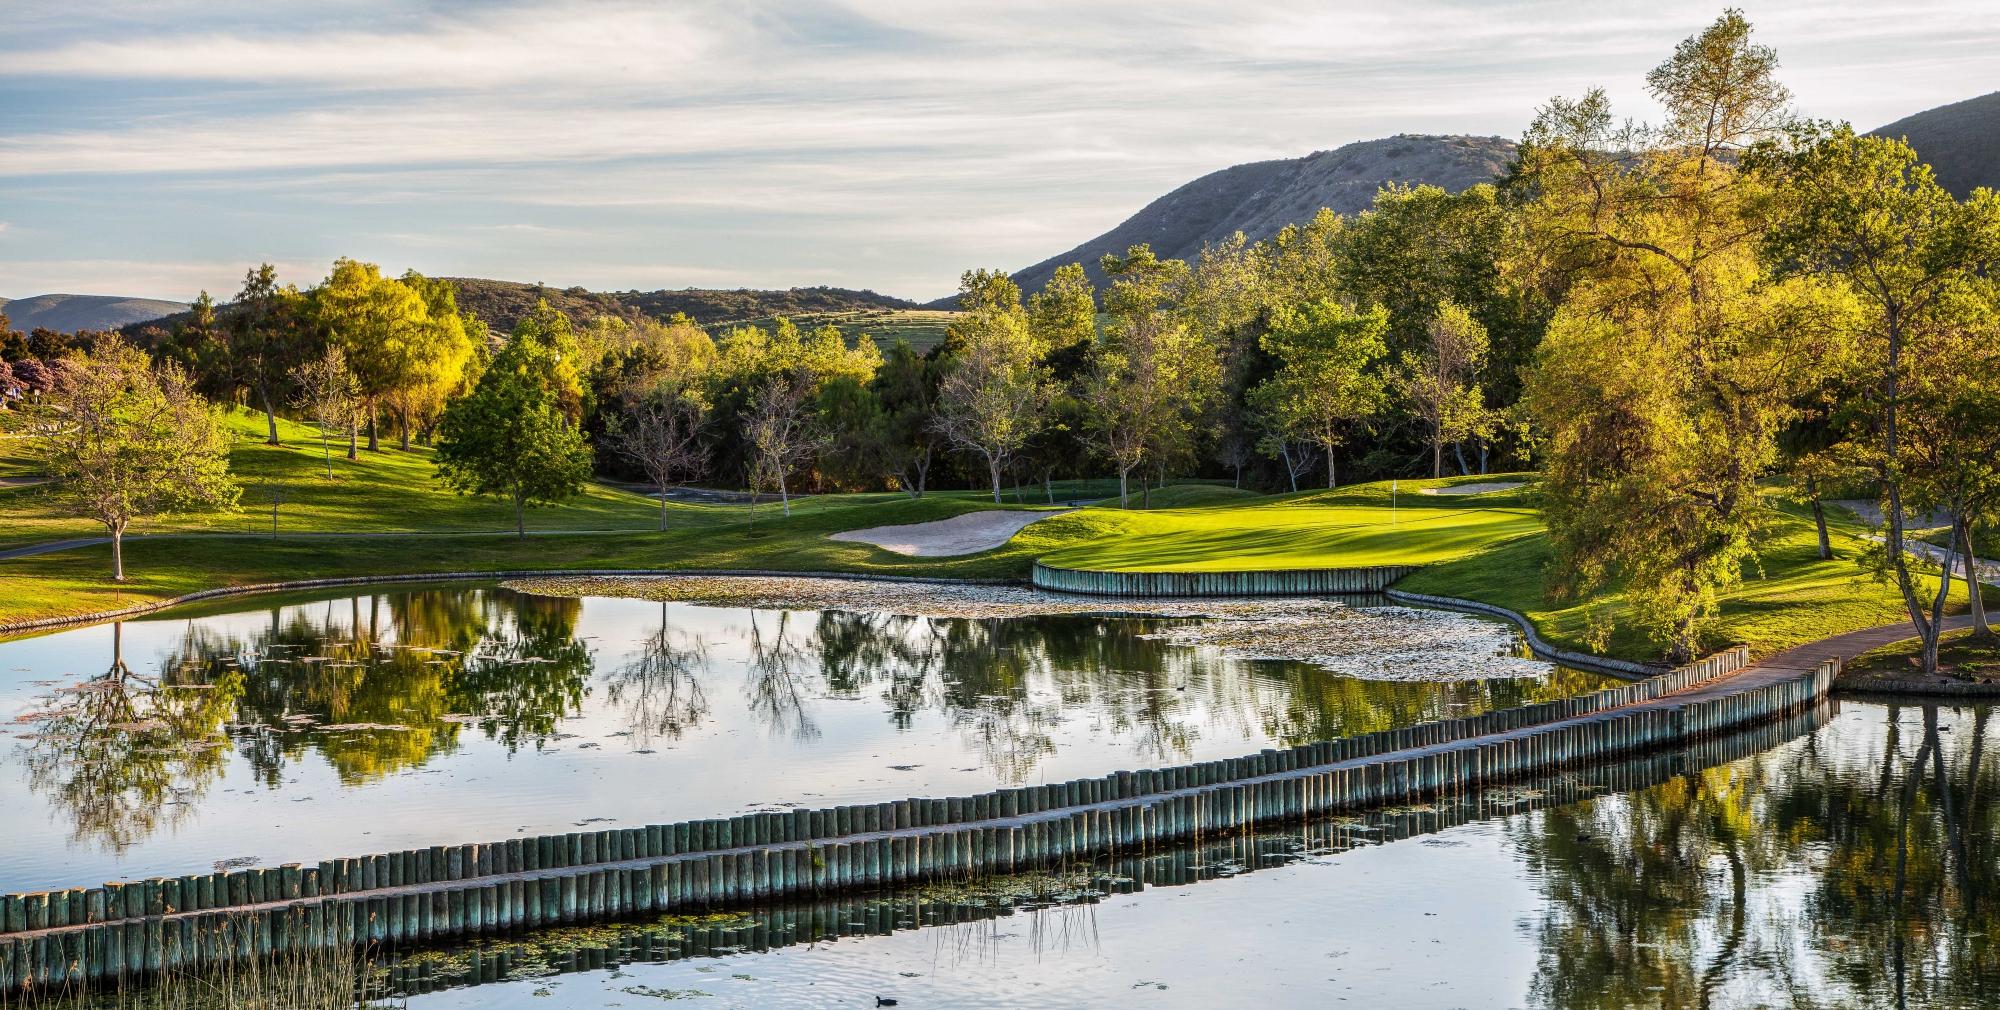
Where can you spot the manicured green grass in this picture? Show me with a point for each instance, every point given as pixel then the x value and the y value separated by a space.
pixel 1222 530
pixel 1961 656
pixel 1790 597
pixel 391 490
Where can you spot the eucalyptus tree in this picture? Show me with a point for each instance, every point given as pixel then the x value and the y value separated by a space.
pixel 1326 380
pixel 1153 372
pixel 994 392
pixel 1440 381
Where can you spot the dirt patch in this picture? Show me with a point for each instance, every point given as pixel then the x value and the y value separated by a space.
pixel 965 534
pixel 1480 487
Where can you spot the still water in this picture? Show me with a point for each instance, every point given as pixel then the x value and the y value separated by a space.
pixel 297 729
pixel 1853 865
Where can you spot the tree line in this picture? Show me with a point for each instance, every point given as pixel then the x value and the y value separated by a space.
pixel 1664 319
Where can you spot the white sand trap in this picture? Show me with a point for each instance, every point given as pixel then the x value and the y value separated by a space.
pixel 1479 488
pixel 967 534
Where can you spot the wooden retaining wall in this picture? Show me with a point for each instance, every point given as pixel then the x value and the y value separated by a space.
pixel 139 928
pixel 1293 582
pixel 410 971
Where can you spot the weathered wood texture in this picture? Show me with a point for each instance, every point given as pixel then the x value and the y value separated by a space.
pixel 137 928
pixel 1293 582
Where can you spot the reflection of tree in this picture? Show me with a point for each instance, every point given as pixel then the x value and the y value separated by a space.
pixel 124 755
pixel 524 679
pixel 776 689
pixel 1848 869
pixel 660 686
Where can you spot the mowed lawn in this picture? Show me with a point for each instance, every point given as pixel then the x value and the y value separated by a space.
pixel 1788 597
pixel 1358 526
pixel 391 490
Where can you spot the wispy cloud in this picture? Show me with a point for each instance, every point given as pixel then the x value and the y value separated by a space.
pixel 884 143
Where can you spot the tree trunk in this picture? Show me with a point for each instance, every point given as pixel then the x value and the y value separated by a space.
pixel 1239 475
pixel 374 429
pixel 1049 485
pixel 1458 450
pixel 521 516
pixel 270 417
pixel 117 551
pixel 993 469
pixel 1819 519
pixel 784 494
pixel 1975 594
pixel 1437 455
pixel 353 436
pixel 1483 449
pixel 1291 472
pixel 403 423
pixel 1124 486
pixel 663 508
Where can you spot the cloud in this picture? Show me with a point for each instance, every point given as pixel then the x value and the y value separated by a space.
pixel 870 142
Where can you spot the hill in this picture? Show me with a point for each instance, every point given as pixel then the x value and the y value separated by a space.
pixel 502 303
pixel 1262 197
pixel 1961 141
pixel 71 313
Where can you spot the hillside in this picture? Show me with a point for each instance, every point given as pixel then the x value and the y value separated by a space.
pixel 1259 198
pixel 70 313
pixel 502 303
pixel 1961 141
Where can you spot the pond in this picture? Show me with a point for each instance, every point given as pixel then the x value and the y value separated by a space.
pixel 1855 865
pixel 264 731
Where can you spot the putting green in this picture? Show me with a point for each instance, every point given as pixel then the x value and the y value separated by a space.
pixel 1347 528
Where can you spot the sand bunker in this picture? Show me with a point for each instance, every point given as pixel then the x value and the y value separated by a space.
pixel 967 534
pixel 1479 488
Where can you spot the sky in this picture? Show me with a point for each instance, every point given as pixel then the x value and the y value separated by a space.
pixel 158 148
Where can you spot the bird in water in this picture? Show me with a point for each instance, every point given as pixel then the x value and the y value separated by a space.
pixel 884 1001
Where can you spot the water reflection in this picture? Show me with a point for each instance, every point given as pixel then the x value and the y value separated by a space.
pixel 312 701
pixel 1851 869
pixel 123 755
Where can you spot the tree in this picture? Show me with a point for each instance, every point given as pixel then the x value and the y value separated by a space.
pixel 1669 368
pixel 993 394
pixel 661 434
pixel 1325 381
pixel 268 337
pixel 905 441
pixel 404 340
pixel 510 436
pixel 326 391
pixel 768 394
pixel 1153 373
pixel 1441 382
pixel 1064 312
pixel 122 439
pixel 1864 212
pixel 783 431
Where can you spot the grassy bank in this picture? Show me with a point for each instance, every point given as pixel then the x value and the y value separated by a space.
pixel 1789 597
pixel 1366 524
pixel 1487 547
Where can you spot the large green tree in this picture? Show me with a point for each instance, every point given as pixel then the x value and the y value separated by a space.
pixel 404 340
pixel 1326 380
pixel 1671 364
pixel 1924 387
pixel 510 436
pixel 1153 373
pixel 993 393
